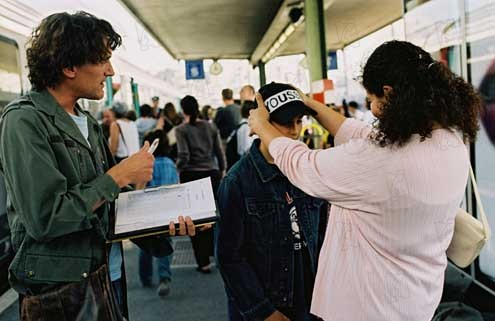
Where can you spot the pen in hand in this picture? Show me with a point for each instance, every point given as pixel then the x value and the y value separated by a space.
pixel 153 146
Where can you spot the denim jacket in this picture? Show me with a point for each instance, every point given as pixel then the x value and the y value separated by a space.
pixel 255 243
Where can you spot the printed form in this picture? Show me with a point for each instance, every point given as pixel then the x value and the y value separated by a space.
pixel 155 207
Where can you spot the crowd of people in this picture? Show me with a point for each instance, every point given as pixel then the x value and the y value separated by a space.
pixel 303 234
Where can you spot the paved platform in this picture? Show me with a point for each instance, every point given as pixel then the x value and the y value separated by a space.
pixel 193 297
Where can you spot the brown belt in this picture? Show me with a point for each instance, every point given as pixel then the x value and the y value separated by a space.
pixel 91 299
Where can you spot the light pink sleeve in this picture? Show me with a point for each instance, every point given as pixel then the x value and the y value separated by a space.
pixel 345 175
pixel 351 128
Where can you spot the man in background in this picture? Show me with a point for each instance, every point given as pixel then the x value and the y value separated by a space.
pixel 228 117
pixel 155 103
pixel 247 93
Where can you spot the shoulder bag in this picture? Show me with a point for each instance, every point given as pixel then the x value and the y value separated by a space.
pixel 470 234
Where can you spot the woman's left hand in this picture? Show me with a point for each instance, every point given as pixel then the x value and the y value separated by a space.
pixel 259 117
pixel 186 227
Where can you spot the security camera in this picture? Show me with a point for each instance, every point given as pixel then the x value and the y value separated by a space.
pixel 295 14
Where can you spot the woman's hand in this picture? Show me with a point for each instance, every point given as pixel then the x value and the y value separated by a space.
pixel 186 227
pixel 259 118
pixel 304 98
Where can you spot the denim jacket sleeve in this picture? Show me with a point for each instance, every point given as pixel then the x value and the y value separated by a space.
pixel 39 191
pixel 242 283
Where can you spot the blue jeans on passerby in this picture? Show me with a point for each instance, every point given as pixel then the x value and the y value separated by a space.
pixel 146 268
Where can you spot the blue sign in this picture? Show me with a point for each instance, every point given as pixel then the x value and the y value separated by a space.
pixel 194 69
pixel 332 60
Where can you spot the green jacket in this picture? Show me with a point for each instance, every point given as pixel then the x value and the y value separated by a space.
pixel 53 179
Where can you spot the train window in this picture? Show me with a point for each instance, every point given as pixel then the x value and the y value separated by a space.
pixel 481 71
pixel 10 71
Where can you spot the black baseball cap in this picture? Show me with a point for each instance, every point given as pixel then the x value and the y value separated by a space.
pixel 155 98
pixel 283 102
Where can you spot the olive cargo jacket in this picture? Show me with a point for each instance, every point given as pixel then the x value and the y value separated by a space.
pixel 53 179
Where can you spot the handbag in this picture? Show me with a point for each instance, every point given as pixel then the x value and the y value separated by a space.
pixel 470 234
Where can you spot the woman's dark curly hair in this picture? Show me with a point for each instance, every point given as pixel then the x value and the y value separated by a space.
pixel 424 93
pixel 64 40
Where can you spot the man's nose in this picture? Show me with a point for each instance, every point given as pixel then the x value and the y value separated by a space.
pixel 109 70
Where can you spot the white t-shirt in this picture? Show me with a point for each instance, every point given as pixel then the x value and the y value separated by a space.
pixel 130 133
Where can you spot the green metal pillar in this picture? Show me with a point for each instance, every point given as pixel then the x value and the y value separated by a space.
pixel 135 97
pixel 316 49
pixel 261 68
pixel 108 86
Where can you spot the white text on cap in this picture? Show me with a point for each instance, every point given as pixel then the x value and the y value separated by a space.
pixel 278 100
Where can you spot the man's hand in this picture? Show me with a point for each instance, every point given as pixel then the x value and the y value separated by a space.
pixel 136 169
pixel 185 227
pixel 277 316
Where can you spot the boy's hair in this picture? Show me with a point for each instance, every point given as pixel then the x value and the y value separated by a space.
pixel 64 40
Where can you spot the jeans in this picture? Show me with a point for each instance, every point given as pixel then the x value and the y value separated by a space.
pixel 117 289
pixel 146 267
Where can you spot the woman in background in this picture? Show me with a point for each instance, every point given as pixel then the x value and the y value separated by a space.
pixel 198 143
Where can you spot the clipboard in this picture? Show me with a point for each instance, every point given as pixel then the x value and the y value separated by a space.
pixel 141 213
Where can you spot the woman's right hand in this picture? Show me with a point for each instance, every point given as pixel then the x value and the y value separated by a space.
pixel 277 316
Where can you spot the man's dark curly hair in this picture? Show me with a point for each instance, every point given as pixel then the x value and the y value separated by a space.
pixel 64 40
pixel 424 93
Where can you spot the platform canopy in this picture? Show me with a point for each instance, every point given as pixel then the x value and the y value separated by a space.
pixel 246 29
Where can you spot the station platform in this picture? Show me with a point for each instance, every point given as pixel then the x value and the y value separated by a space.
pixel 193 295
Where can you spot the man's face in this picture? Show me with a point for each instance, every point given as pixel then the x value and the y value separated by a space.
pixel 247 94
pixel 155 103
pixel 89 79
pixel 107 117
pixel 291 129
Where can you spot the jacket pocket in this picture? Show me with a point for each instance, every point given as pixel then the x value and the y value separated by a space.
pixel 261 219
pixel 56 268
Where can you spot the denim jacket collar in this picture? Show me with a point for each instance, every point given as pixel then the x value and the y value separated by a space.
pixel 266 171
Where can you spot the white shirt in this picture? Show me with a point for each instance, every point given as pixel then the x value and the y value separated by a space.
pixel 244 141
pixel 129 131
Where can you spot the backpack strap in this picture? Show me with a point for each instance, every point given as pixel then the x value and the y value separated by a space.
pixel 234 132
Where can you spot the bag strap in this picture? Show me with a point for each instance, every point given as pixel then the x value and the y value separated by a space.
pixel 482 217
pixel 122 136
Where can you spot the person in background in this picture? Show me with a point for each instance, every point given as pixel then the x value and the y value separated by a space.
pixel 270 232
pixel 244 140
pixel 172 119
pixel 124 137
pixel 198 142
pixel 247 93
pixel 383 258
pixel 206 113
pixel 131 115
pixel 228 117
pixel 164 173
pixel 155 103
pixel 171 115
pixel 146 122
pixel 239 141
pixel 107 119
pixel 354 111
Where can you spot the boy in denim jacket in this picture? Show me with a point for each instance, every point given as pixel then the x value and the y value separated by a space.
pixel 270 232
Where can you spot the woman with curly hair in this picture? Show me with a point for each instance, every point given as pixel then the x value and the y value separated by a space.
pixel 394 189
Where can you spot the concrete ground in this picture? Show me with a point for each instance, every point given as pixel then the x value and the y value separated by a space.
pixel 193 297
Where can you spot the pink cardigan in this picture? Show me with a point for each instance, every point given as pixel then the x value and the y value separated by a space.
pixel 391 220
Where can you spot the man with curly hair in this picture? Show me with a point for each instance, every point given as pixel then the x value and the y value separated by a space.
pixel 62 180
